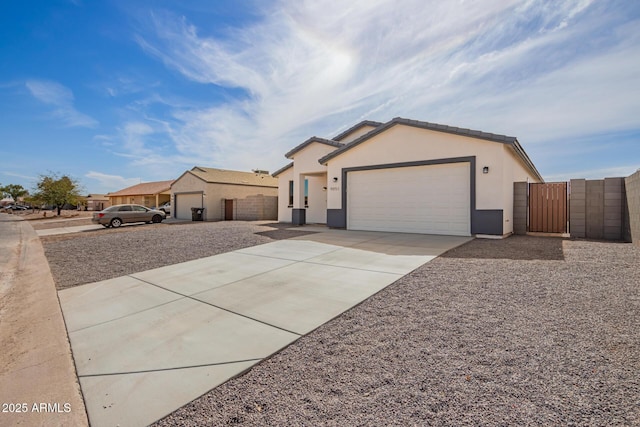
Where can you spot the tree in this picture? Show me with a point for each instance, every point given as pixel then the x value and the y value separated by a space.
pixel 58 191
pixel 14 190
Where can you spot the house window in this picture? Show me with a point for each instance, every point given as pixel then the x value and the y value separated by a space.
pixel 290 194
pixel 306 193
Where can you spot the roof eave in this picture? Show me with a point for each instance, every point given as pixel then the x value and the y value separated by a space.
pixel 422 125
pixel 310 141
pixel 281 170
pixel 355 127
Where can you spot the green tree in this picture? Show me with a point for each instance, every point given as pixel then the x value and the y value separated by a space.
pixel 14 190
pixel 58 190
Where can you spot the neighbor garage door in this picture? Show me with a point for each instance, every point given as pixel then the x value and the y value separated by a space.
pixel 431 199
pixel 184 203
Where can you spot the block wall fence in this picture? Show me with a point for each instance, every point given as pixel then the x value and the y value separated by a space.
pixel 607 209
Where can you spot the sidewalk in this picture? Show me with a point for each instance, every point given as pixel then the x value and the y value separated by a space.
pixel 37 374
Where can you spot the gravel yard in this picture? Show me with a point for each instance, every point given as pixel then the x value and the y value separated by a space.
pixel 522 331
pixel 79 258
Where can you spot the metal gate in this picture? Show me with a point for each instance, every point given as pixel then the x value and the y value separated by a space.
pixel 548 211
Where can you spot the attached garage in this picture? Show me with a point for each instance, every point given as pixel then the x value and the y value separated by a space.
pixel 184 202
pixel 432 199
pixel 407 176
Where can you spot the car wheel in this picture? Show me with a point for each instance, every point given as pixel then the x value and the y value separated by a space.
pixel 156 219
pixel 115 222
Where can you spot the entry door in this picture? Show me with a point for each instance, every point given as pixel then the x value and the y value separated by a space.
pixel 228 209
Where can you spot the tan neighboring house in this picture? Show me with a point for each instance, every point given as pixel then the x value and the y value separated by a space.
pixel 97 202
pixel 405 176
pixel 148 194
pixel 225 194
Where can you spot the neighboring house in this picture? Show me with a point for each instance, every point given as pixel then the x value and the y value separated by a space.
pixel 97 202
pixel 150 194
pixel 405 176
pixel 225 194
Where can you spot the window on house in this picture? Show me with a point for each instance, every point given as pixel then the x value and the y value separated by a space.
pixel 290 194
pixel 306 193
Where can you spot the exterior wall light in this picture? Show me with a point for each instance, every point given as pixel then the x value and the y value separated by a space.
pixel 485 169
pixel 335 179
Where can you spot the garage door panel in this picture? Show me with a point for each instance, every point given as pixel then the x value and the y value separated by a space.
pixel 422 199
pixel 184 203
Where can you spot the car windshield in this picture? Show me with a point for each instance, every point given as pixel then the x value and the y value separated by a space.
pixel 112 208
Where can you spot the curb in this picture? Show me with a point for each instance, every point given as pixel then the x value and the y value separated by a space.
pixel 38 381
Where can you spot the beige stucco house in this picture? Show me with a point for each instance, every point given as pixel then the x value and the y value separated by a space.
pixel 405 176
pixel 225 194
pixel 97 202
pixel 147 194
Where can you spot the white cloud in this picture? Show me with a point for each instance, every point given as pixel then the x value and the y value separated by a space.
pixel 532 70
pixel 61 98
pixel 111 183
pixel 17 175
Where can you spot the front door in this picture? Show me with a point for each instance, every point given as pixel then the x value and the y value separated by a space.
pixel 228 209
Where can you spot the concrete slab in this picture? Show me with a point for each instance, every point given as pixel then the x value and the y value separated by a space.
pixel 160 338
pixel 209 273
pixel 67 230
pixel 100 302
pixel 179 334
pixel 299 297
pixel 372 260
pixel 295 250
pixel 139 399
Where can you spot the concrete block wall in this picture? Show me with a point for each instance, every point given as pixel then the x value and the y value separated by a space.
pixel 520 206
pixel 597 209
pixel 632 187
pixel 578 208
pixel 614 207
pixel 256 207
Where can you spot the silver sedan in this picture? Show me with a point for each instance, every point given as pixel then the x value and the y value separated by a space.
pixel 117 215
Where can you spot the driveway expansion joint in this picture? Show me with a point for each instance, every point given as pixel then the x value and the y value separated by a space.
pixel 190 297
pixel 145 371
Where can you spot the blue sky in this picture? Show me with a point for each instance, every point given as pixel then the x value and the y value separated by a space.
pixel 115 93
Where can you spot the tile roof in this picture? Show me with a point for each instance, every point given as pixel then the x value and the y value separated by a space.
pixel 356 127
pixel 311 141
pixel 279 171
pixel 510 140
pixel 144 188
pixel 223 176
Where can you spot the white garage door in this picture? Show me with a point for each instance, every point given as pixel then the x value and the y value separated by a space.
pixel 431 199
pixel 184 203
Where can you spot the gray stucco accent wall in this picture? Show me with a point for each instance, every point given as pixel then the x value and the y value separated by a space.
pixel 482 221
pixel 299 216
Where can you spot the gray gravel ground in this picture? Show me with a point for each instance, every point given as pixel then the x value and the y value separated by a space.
pixel 87 257
pixel 522 331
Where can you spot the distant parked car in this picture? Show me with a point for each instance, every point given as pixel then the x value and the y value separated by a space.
pixel 17 207
pixel 117 215
pixel 166 208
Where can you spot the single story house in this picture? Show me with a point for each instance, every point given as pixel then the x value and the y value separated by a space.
pixel 225 194
pixel 405 176
pixel 149 194
pixel 97 202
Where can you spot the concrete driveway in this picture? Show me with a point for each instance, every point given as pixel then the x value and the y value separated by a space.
pixel 148 343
